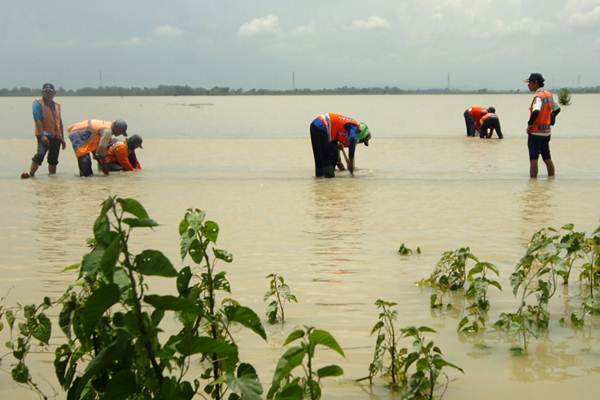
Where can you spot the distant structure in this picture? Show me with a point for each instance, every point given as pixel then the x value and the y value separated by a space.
pixel 100 80
pixel 448 81
pixel 294 80
pixel 578 81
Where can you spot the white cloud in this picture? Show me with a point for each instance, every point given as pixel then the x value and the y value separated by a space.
pixel 268 24
pixel 373 22
pixel 585 19
pixel 304 30
pixel 167 31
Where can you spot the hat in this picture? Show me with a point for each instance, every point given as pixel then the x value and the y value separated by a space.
pixel 120 125
pixel 364 135
pixel 491 109
pixel 535 77
pixel 134 141
pixel 49 87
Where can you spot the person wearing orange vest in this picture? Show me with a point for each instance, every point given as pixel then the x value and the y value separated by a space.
pixel 542 115
pixel 48 131
pixel 473 116
pixel 329 130
pixel 93 136
pixel 121 156
pixel 490 123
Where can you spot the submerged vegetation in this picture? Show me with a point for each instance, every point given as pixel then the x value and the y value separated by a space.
pixel 564 97
pixel 279 293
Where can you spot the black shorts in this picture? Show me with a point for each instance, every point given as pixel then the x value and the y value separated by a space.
pixel 538 145
pixel 53 148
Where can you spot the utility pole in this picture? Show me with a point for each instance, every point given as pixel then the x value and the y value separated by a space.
pixel 578 81
pixel 101 79
pixel 448 82
pixel 294 80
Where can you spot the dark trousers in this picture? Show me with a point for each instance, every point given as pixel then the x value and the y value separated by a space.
pixel 53 148
pixel 469 123
pixel 324 152
pixel 85 165
pixel 493 124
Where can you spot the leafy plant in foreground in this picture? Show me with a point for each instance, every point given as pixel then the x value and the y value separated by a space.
pixel 414 372
pixel 479 281
pixel 279 293
pixel 449 274
pixel 113 349
pixel 534 277
pixel 285 386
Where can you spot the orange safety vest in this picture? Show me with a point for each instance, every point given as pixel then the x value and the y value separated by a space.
pixel 336 126
pixel 85 135
pixel 541 126
pixel 119 153
pixel 52 122
pixel 476 112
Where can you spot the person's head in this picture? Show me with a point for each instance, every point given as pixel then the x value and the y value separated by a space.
pixel 48 91
pixel 119 127
pixel 363 134
pixel 491 109
pixel 134 141
pixel 535 81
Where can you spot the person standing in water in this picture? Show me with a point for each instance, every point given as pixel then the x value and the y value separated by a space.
pixel 490 123
pixel 329 130
pixel 48 131
pixel 542 115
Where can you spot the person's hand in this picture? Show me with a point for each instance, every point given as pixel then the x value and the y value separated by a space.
pixel 340 146
pixel 63 144
pixel 340 166
pixel 45 140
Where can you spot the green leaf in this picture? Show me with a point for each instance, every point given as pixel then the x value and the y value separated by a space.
pixel 10 318
pixel 102 230
pixel 140 222
pixel 40 327
pixel 172 303
pixel 132 206
pixel 20 373
pixel 247 317
pixel 91 263
pixel 223 255
pixel 426 329
pixel 107 205
pixel 96 305
pixel 245 383
pixel 295 335
pixel 289 360
pixel 330 370
pixel 206 345
pixel 211 231
pixel 110 257
pixel 291 391
pixel 183 280
pixel 64 317
pixel 62 356
pixel 324 338
pixel 121 386
pixel 153 262
pixel 71 267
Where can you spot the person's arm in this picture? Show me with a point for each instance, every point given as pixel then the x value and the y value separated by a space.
pixel 105 136
pixel 62 129
pixel 536 108
pixel 38 116
pixel 352 140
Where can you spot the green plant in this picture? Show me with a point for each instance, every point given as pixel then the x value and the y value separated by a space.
pixel 413 373
pixel 405 251
pixel 279 293
pixel 449 274
pixel 534 277
pixel 479 281
pixel 114 347
pixel 564 97
pixel 285 386
pixel 572 247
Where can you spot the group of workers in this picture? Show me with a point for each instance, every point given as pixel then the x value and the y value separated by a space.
pixel 330 134
pixel 106 141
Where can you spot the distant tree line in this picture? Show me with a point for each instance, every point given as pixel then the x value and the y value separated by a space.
pixel 177 90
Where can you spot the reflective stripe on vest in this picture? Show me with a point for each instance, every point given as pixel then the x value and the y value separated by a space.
pixel 85 135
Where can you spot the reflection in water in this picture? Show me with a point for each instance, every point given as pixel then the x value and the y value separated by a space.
pixel 338 219
pixel 537 206
pixel 546 361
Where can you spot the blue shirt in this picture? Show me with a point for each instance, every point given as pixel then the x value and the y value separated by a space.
pixel 38 113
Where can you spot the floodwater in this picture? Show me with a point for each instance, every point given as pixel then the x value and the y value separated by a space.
pixel 247 162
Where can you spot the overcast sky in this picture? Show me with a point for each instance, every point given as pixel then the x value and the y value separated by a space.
pixel 327 43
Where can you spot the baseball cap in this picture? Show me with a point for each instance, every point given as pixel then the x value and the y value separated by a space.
pixel 535 77
pixel 134 141
pixel 48 87
pixel 121 125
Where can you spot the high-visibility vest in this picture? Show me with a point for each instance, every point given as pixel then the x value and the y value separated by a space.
pixel 52 122
pixel 541 126
pixel 476 112
pixel 85 135
pixel 336 126
pixel 486 116
pixel 119 153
